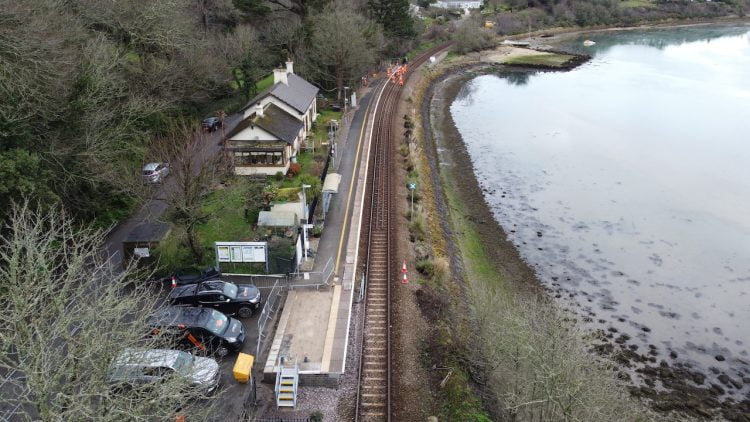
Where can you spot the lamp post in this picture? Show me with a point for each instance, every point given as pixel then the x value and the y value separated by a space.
pixel 304 200
pixel 346 99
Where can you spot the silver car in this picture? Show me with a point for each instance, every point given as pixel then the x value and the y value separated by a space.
pixel 155 172
pixel 137 367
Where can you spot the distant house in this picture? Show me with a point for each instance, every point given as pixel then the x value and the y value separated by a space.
pixel 275 124
pixel 457 4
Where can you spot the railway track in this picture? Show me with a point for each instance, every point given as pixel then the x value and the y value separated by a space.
pixel 374 385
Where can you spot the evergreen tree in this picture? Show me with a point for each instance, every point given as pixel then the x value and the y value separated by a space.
pixel 394 16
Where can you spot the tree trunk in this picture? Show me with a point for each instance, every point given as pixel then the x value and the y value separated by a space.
pixel 339 81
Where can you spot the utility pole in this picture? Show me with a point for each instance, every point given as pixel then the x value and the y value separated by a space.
pixel 412 187
pixel 346 101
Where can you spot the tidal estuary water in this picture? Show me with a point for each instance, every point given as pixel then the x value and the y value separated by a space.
pixel 625 183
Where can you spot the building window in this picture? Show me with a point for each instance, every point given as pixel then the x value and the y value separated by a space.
pixel 259 158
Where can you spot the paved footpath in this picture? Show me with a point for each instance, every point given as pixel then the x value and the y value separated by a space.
pixel 338 218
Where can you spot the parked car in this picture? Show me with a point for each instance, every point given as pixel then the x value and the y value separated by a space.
pixel 211 123
pixel 155 172
pixel 205 329
pixel 229 298
pixel 134 367
pixel 191 275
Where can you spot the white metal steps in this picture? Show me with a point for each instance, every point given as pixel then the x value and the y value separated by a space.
pixel 287 382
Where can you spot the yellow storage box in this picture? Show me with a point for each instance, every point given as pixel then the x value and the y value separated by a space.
pixel 243 367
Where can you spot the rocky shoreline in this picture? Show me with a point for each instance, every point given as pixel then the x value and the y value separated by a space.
pixel 668 388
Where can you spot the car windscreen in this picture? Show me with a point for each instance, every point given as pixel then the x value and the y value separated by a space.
pixel 183 363
pixel 217 323
pixel 230 290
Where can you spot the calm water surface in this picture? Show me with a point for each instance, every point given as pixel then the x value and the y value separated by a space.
pixel 626 184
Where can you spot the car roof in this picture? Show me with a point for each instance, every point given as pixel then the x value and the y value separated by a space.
pixel 212 286
pixel 130 362
pixel 205 286
pixel 151 166
pixel 207 119
pixel 182 315
pixel 148 357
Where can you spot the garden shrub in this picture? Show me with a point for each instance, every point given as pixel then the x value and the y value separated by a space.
pixel 294 169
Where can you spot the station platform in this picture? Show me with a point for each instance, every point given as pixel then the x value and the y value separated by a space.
pixel 313 331
pixel 314 325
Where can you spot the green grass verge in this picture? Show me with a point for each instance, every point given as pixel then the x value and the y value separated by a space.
pixel 627 4
pixel 543 59
pixel 320 129
pixel 421 48
pixel 264 83
pixel 228 223
pixel 228 209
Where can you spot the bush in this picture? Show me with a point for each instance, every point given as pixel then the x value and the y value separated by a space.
pixel 279 176
pixel 470 37
pixel 417 227
pixel 537 362
pixel 315 185
pixel 294 169
pixel 403 150
pixel 426 267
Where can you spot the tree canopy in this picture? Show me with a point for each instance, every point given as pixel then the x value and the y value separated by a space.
pixel 394 16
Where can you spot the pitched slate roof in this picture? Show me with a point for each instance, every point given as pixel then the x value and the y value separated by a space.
pixel 275 121
pixel 279 123
pixel 297 93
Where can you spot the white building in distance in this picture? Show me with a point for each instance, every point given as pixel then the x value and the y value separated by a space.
pixel 457 4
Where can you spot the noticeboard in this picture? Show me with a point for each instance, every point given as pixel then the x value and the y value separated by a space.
pixel 241 251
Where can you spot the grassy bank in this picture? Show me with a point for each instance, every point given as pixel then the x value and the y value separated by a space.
pixel 542 59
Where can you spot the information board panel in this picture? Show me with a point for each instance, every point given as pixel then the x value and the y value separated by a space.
pixel 241 251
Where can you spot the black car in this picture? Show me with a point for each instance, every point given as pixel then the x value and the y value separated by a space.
pixel 229 298
pixel 211 123
pixel 206 329
pixel 192 275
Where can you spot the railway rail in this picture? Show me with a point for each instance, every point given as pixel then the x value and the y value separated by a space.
pixel 374 380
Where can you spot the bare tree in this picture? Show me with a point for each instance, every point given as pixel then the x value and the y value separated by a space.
pixel 537 363
pixel 65 314
pixel 193 173
pixel 343 44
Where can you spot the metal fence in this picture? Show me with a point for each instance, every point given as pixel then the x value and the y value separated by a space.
pixel 314 278
pixel 314 202
pixel 265 281
pixel 269 311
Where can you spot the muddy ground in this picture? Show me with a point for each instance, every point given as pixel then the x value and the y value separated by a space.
pixel 676 388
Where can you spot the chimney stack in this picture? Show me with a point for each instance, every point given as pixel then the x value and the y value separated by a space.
pixel 259 110
pixel 290 67
pixel 279 75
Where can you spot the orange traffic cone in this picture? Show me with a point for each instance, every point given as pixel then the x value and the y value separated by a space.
pixel 405 280
pixel 403 268
pixel 174 282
